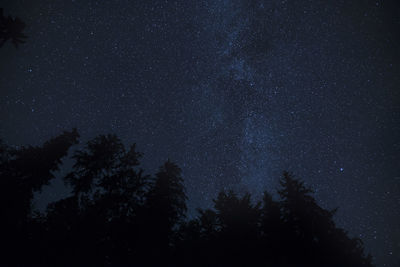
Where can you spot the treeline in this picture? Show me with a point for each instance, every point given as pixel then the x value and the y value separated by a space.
pixel 117 214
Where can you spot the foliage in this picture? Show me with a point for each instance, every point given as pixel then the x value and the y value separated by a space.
pixel 116 215
pixel 24 171
pixel 11 29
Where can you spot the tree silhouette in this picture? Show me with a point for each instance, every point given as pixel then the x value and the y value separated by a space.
pixel 24 171
pixel 11 29
pixel 116 214
pixel 227 234
pixel 310 232
pixel 238 219
pixel 165 209
pixel 108 192
pixel 271 229
pixel 294 230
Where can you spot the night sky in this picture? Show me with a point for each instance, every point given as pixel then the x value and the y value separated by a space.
pixel 234 91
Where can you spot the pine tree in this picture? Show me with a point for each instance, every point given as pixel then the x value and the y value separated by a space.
pixel 310 233
pixel 165 208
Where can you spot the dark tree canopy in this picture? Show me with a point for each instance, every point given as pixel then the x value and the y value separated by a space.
pixel 116 214
pixel 11 29
pixel 24 171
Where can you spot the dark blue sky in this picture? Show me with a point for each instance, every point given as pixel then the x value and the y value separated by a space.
pixel 234 91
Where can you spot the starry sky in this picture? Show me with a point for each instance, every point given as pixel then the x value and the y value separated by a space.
pixel 234 91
